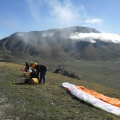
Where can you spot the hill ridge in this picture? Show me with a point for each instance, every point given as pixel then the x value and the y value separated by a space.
pixel 57 43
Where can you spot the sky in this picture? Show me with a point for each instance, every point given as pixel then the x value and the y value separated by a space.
pixel 39 15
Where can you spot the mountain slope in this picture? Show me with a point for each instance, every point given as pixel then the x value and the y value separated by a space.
pixel 56 43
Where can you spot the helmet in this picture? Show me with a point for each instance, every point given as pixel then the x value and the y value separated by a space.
pixel 33 65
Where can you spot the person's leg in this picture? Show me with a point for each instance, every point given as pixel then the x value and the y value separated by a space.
pixel 44 77
pixel 41 76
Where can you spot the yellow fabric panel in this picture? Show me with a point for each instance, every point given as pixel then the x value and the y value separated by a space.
pixel 33 81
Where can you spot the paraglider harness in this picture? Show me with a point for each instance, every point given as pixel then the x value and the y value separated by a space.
pixel 33 74
pixel 30 74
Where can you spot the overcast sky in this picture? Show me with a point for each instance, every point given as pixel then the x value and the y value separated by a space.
pixel 30 15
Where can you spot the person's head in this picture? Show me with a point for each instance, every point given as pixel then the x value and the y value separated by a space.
pixel 33 65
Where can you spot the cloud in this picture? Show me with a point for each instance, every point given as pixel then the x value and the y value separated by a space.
pixel 34 7
pixel 65 14
pixel 93 37
pixel 56 13
pixel 45 34
pixel 94 21
pixel 47 14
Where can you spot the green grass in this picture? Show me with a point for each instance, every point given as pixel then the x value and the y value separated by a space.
pixel 106 73
pixel 50 101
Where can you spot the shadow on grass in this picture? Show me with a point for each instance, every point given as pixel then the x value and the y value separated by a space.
pixel 81 101
pixel 20 83
pixel 26 81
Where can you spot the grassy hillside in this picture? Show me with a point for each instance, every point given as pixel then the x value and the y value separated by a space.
pixel 19 101
pixel 106 73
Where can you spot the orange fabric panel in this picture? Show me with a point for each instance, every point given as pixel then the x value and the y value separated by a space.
pixel 112 101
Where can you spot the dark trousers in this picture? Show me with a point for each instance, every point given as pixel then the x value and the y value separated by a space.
pixel 42 76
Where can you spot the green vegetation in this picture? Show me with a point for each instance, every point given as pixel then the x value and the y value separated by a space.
pixel 20 101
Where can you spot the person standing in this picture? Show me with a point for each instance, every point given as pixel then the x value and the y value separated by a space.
pixel 41 72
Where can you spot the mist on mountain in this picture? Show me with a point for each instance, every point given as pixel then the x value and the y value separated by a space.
pixel 80 43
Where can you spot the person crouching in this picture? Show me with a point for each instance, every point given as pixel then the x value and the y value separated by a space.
pixel 41 71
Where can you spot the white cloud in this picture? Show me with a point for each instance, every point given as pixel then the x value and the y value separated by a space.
pixel 34 7
pixel 56 13
pixel 65 13
pixel 94 21
pixel 92 37
pixel 45 34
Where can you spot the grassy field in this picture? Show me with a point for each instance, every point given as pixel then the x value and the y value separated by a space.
pixel 106 73
pixel 20 101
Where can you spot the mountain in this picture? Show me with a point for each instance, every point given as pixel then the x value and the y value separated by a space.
pixel 60 43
